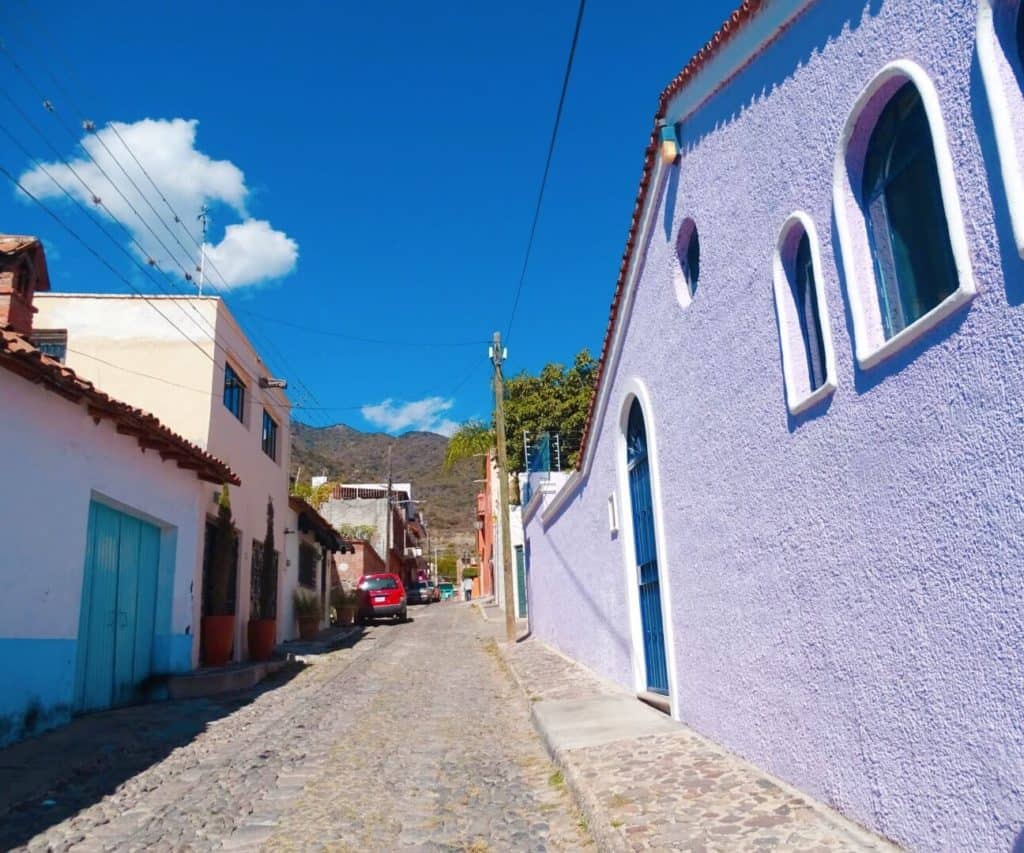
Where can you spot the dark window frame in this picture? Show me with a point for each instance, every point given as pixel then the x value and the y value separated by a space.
pixel 234 392
pixel 908 231
pixel 268 439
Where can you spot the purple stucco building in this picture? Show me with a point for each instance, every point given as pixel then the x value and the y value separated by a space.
pixel 819 333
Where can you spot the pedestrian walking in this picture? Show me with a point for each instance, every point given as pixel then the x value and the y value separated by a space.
pixel 467 588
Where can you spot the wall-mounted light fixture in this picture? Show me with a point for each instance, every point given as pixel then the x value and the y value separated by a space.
pixel 669 143
pixel 270 382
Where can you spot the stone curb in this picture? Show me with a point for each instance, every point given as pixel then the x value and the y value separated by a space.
pixel 598 824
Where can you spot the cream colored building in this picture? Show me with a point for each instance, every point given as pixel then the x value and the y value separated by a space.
pixel 186 360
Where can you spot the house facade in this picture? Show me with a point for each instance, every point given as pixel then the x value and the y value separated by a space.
pixel 369 508
pixel 798 515
pixel 311 547
pixel 103 511
pixel 187 360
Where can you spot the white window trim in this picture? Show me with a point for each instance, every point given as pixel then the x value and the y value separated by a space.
pixel 999 79
pixel 870 344
pixel 788 313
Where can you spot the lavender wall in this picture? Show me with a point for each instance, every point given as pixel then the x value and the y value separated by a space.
pixel 847 586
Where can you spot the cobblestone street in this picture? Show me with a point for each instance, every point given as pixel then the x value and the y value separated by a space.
pixel 412 738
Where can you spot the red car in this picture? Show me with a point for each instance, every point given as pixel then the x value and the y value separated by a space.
pixel 380 595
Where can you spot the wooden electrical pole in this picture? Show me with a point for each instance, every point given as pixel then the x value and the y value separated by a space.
pixel 497 357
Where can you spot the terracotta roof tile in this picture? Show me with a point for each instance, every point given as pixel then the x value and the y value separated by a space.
pixel 19 356
pixel 732 25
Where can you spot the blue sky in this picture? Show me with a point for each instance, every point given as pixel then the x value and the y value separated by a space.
pixel 371 171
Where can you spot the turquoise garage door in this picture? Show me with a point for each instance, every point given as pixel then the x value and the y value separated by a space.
pixel 115 633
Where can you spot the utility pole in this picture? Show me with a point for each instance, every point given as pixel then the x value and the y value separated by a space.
pixel 203 217
pixel 498 354
pixel 387 520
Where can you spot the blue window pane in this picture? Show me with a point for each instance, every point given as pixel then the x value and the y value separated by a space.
pixel 806 297
pixel 689 260
pixel 234 392
pixel 910 243
pixel 269 436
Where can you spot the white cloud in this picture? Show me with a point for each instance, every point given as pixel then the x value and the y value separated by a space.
pixel 424 415
pixel 250 252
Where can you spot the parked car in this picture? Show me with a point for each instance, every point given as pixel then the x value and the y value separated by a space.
pixel 380 595
pixel 435 593
pixel 447 591
pixel 418 592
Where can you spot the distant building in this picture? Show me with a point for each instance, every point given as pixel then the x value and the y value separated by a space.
pixel 103 509
pixel 200 374
pixel 799 513
pixel 311 547
pixel 364 510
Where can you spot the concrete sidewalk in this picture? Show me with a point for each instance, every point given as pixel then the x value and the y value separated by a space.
pixel 646 782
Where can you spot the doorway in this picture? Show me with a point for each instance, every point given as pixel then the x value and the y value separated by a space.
pixel 646 551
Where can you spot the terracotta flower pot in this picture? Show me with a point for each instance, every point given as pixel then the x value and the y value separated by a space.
pixel 309 627
pixel 217 634
pixel 262 638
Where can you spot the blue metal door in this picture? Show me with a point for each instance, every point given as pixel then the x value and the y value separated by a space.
pixel 521 580
pixel 115 632
pixel 646 551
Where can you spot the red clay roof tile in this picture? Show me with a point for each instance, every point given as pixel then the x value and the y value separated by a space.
pixel 19 356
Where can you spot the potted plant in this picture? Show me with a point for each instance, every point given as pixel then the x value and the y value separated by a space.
pixel 308 612
pixel 217 629
pixel 344 603
pixel 263 619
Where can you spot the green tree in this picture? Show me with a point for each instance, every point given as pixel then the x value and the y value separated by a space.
pixel 471 439
pixel 554 401
pixel 447 566
pixel 265 605
pixel 223 556
pixel 317 497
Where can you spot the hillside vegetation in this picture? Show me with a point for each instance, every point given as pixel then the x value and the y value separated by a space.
pixel 350 456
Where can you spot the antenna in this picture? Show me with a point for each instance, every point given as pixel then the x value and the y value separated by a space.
pixel 203 217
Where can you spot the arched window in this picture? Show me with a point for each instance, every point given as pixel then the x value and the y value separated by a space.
pixel 808 364
pixel 687 269
pixel 690 260
pixel 806 296
pixel 903 206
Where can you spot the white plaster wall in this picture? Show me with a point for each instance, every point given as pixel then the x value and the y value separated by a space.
pixel 55 459
pixel 129 348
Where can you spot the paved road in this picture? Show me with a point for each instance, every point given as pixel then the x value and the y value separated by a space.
pixel 412 739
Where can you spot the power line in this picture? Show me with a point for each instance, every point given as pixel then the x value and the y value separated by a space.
pixel 102 260
pixel 547 168
pixel 88 125
pixel 355 339
pixel 209 331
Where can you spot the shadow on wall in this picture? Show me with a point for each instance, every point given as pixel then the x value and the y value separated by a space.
pixel 50 778
pixel 583 594
pixel 817 27
pixel 981 113
pixel 865 380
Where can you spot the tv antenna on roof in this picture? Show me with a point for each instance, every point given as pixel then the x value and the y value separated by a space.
pixel 204 218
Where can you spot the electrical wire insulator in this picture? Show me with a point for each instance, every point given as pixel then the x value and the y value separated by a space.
pixel 48 105
pixel 97 200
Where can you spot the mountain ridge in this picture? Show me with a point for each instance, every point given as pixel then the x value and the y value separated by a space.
pixel 349 455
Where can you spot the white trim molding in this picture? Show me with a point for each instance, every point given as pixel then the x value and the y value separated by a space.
pixel 800 396
pixel 870 343
pixel 996 23
pixel 633 388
